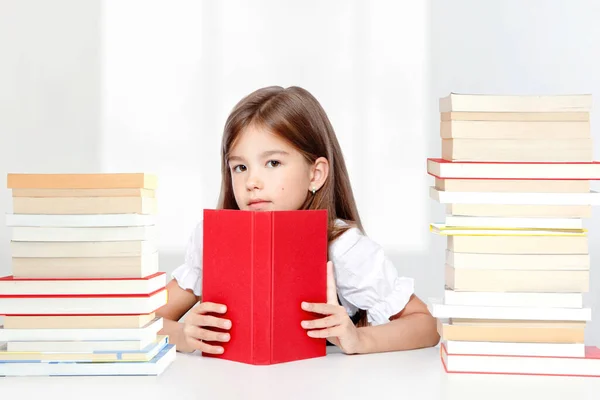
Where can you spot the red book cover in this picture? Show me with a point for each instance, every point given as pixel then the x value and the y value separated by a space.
pixel 262 265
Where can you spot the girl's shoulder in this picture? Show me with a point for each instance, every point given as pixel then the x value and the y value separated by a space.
pixel 195 239
pixel 350 238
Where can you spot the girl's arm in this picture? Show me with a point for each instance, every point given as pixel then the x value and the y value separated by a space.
pixel 179 302
pixel 414 327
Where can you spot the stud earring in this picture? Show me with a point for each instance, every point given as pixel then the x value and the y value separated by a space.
pixel 314 190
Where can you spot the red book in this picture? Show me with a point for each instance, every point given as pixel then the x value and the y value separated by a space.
pixel 262 265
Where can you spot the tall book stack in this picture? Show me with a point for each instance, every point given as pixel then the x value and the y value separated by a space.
pixel 85 282
pixel 515 179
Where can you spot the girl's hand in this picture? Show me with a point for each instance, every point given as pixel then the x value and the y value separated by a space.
pixel 195 323
pixel 337 327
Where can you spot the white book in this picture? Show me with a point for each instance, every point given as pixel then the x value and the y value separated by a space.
pixel 516 349
pixel 514 129
pixel 82 249
pixel 546 262
pixel 75 346
pixel 82 286
pixel 35 368
pixel 80 220
pixel 103 234
pixel 512 170
pixel 515 103
pixel 502 364
pixel 86 267
pixel 143 355
pixel 84 205
pixel 511 150
pixel 82 304
pixel 500 299
pixel 573 199
pixel 492 280
pixel 504 222
pixel 440 310
pixel 146 333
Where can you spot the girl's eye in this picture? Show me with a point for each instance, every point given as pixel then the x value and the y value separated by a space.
pixel 239 168
pixel 273 163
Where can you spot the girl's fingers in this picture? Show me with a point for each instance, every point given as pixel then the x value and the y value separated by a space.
pixel 325 333
pixel 206 307
pixel 199 318
pixel 208 320
pixel 205 334
pixel 327 322
pixel 211 336
pixel 322 308
pixel 196 336
pixel 193 319
pixel 204 347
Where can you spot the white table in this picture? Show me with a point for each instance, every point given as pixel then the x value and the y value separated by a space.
pixel 406 375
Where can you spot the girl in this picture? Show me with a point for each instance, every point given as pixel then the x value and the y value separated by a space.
pixel 279 152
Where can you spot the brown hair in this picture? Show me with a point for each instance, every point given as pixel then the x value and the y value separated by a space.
pixel 297 117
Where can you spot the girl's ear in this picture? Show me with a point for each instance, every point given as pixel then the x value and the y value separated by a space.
pixel 319 173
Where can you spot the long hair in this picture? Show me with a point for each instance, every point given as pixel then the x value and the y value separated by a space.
pixel 297 117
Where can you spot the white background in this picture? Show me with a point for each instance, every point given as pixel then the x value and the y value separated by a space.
pixel 118 86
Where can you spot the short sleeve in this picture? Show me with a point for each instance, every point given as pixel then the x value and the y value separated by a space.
pixel 366 279
pixel 189 274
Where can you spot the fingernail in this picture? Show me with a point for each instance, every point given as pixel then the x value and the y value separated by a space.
pixel 227 324
pixel 304 324
pixel 310 333
pixel 223 309
pixel 219 350
pixel 224 336
pixel 305 305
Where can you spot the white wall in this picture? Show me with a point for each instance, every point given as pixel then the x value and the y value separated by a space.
pixel 49 92
pixel 169 84
pixel 520 47
pixel 156 94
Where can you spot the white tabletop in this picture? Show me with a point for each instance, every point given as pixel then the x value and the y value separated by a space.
pixel 406 375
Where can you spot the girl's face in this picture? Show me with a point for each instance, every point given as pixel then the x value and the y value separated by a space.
pixel 267 173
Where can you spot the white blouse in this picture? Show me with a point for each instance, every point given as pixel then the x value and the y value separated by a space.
pixel 366 279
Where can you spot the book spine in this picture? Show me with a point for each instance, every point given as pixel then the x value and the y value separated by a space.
pixel 262 276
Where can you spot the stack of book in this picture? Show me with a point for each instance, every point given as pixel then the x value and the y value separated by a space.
pixel 85 282
pixel 515 178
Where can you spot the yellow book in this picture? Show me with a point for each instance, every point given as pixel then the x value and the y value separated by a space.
pixel 442 229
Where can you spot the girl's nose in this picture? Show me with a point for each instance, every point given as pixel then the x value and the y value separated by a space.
pixel 254 182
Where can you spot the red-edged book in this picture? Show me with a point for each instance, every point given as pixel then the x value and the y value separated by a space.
pixel 588 366
pixel 262 265
pixel 444 169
